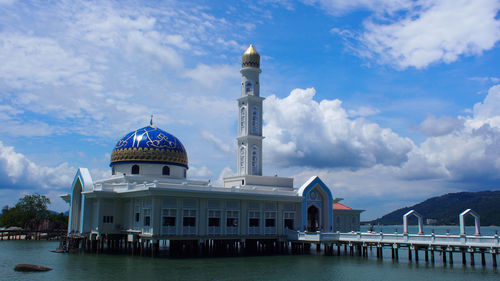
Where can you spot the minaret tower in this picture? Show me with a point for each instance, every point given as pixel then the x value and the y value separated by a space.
pixel 250 116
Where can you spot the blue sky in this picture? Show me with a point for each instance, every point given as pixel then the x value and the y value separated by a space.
pixel 389 102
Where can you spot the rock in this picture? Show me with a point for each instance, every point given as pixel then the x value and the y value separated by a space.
pixel 31 268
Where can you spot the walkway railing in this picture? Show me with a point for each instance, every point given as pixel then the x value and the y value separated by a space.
pixel 412 239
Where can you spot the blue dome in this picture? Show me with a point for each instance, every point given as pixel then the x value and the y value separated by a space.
pixel 151 145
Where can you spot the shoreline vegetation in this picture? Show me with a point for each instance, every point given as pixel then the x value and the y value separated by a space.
pixel 30 219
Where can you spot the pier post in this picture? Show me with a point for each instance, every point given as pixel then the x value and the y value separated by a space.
pixel 472 258
pixel 409 253
pixel 443 254
pixel 483 260
pixel 426 254
pixel 451 256
pixel 392 253
pixel 432 255
pixel 464 259
pixel 494 259
pixel 416 254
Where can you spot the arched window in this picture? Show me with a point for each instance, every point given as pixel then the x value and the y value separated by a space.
pixel 135 169
pixel 243 120
pixel 255 160
pixel 242 160
pixel 113 171
pixel 166 171
pixel 255 120
pixel 248 87
pixel 185 173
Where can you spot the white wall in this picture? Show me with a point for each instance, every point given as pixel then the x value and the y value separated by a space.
pixel 149 169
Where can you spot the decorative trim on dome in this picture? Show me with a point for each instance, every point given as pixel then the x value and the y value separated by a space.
pixel 153 155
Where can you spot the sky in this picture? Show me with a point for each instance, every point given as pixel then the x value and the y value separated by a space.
pixel 389 102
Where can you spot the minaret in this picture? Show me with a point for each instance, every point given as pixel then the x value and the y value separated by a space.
pixel 250 116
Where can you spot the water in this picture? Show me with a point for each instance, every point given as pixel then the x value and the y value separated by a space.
pixel 306 267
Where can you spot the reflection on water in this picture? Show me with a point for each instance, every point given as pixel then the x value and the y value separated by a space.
pixel 305 267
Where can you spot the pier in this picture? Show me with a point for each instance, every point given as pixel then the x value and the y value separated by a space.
pixel 430 246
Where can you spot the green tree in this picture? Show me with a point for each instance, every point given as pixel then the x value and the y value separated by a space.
pixel 27 208
pixel 34 206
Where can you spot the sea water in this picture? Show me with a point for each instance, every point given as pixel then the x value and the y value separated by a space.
pixel 85 266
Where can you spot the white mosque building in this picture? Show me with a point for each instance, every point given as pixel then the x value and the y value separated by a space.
pixel 149 194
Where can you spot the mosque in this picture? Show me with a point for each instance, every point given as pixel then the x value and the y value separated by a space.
pixel 149 194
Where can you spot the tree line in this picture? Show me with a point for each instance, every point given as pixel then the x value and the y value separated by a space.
pixel 31 211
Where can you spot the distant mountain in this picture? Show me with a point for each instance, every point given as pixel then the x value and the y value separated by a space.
pixel 446 208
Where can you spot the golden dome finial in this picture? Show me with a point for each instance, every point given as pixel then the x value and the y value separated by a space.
pixel 250 58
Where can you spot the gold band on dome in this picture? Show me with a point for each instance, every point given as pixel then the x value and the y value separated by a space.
pixel 250 58
pixel 149 155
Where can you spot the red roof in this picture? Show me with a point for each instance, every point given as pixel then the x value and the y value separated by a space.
pixel 338 206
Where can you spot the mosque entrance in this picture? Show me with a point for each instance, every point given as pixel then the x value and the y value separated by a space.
pixel 312 218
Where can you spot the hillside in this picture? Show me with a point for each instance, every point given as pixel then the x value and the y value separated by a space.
pixel 446 208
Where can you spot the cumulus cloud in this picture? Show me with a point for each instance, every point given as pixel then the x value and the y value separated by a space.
pixel 301 131
pixel 226 172
pixel 439 31
pixel 18 171
pixel 366 163
pixel 433 126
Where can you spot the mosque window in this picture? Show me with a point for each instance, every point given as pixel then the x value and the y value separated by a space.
pixel 166 171
pixel 253 222
pixel 135 169
pixel 107 219
pixel 270 219
pixel 248 87
pixel 288 217
pixel 242 160
pixel 255 120
pixel 113 171
pixel 255 160
pixel 243 120
pixel 147 217
pixel 185 173
pixel 232 222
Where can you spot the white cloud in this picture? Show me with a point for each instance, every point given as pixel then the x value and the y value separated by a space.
pixel 433 126
pixel 213 75
pixel 439 31
pixel 31 60
pixel 339 7
pixel 226 172
pixel 301 131
pixel 363 111
pixel 202 172
pixel 216 142
pixel 17 170
pixel 361 161
pixel 486 79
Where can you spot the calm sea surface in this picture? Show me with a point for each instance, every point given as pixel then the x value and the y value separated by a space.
pixel 305 267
